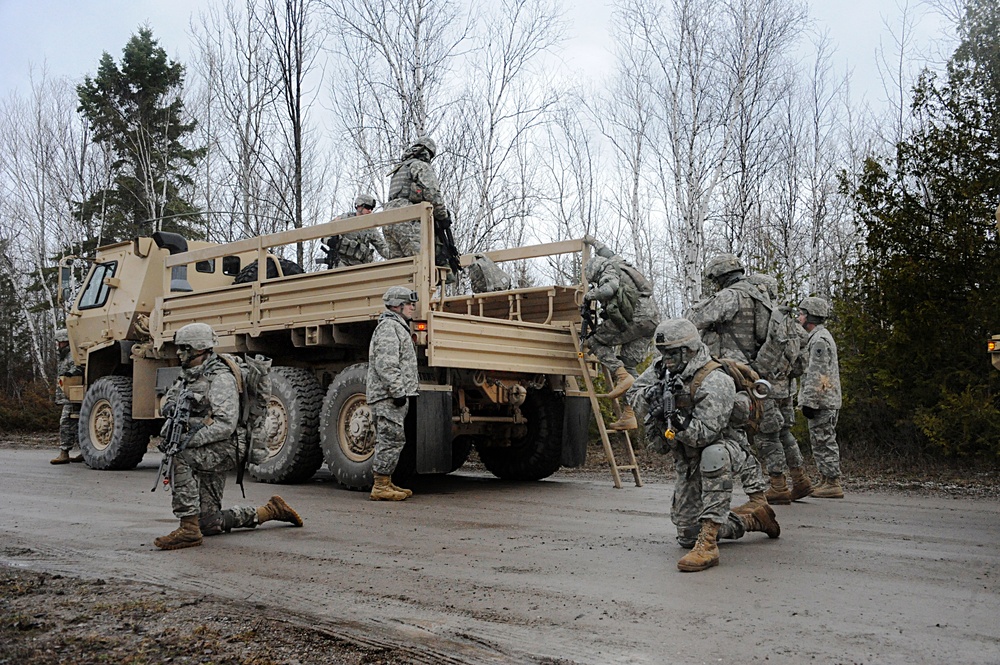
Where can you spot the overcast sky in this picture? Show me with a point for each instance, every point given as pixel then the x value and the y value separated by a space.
pixel 68 36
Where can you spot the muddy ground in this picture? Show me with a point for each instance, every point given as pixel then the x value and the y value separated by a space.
pixel 473 570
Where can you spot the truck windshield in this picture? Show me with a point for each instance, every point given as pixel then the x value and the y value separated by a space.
pixel 96 292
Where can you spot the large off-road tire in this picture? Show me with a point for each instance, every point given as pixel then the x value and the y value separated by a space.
pixel 347 429
pixel 294 454
pixel 249 274
pixel 538 453
pixel 108 436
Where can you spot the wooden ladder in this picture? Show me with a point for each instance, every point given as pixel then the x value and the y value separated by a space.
pixel 595 406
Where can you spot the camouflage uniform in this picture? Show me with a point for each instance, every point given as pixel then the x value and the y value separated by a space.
pixel 776 441
pixel 616 347
pixel 731 314
pixel 820 393
pixel 392 373
pixel 68 425
pixel 358 247
pixel 700 494
pixel 413 181
pixel 199 474
pixel 729 325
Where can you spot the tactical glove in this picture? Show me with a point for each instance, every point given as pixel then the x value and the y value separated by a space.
pixel 399 401
pixel 810 412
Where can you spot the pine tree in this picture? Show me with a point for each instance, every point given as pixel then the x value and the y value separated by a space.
pixel 918 311
pixel 135 113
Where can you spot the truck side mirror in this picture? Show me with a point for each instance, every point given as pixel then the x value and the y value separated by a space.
pixel 65 277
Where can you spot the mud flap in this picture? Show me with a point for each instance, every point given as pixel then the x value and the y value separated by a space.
pixel 576 425
pixel 433 435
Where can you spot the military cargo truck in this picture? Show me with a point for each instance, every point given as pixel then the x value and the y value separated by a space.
pixel 497 370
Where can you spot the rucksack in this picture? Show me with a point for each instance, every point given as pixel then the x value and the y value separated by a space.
pixel 486 276
pixel 253 381
pixel 631 287
pixel 776 355
pixel 744 377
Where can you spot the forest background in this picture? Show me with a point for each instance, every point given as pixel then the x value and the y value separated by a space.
pixel 712 134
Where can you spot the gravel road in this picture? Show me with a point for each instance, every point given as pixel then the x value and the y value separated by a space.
pixel 568 570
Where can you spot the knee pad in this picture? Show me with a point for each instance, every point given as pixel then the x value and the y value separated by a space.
pixel 211 524
pixel 687 536
pixel 714 458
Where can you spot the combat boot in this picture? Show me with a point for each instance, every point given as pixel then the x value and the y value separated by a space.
pixel 763 520
pixel 801 487
pixel 705 552
pixel 625 421
pixel 382 490
pixel 76 459
pixel 754 501
pixel 829 489
pixel 277 509
pixel 62 458
pixel 623 381
pixel 188 534
pixel 396 487
pixel 778 494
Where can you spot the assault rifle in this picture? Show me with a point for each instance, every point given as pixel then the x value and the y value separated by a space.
pixel 332 259
pixel 175 439
pixel 442 229
pixel 588 319
pixel 662 400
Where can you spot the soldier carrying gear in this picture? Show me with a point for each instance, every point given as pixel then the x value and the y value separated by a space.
pixel 733 322
pixel 621 340
pixel 355 248
pixel 391 381
pixel 775 440
pixel 210 447
pixel 706 447
pixel 67 423
pixel 819 394
pixel 415 181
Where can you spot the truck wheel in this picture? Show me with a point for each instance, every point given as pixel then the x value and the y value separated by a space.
pixel 293 409
pixel 109 438
pixel 538 453
pixel 249 274
pixel 347 429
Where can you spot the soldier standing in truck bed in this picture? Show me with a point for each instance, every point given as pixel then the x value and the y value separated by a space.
pixel 355 248
pixel 415 181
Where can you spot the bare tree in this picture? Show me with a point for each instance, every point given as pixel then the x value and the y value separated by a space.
pixel 238 94
pixel 289 31
pixel 506 101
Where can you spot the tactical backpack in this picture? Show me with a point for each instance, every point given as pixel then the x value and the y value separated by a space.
pixel 777 353
pixel 631 286
pixel 744 377
pixel 253 381
pixel 486 276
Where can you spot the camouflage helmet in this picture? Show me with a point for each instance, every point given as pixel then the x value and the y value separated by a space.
pixel 676 333
pixel 765 283
pixel 199 336
pixel 62 336
pixel 366 200
pixel 595 266
pixel 398 295
pixel 425 142
pixel 815 307
pixel 722 265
